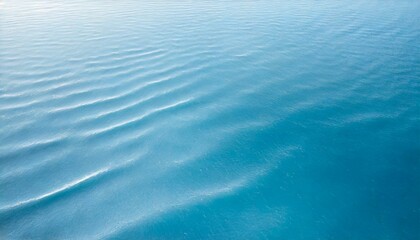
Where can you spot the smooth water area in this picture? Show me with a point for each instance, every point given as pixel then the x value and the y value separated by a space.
pixel 209 119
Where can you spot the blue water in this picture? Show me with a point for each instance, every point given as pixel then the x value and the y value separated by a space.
pixel 209 119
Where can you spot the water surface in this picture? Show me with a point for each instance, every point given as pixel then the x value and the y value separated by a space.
pixel 209 119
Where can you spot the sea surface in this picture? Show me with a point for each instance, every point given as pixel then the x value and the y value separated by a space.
pixel 210 119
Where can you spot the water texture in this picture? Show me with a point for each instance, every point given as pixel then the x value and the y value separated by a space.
pixel 209 119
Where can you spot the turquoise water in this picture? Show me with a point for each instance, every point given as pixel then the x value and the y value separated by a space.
pixel 209 119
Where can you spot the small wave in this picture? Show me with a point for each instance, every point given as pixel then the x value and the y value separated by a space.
pixel 53 194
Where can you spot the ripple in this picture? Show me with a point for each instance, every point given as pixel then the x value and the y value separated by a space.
pixel 53 194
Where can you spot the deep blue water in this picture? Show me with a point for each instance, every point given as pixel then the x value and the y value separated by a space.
pixel 210 119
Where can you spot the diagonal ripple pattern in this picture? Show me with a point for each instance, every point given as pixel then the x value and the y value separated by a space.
pixel 209 119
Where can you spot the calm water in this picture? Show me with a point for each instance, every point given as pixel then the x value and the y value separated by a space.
pixel 209 119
